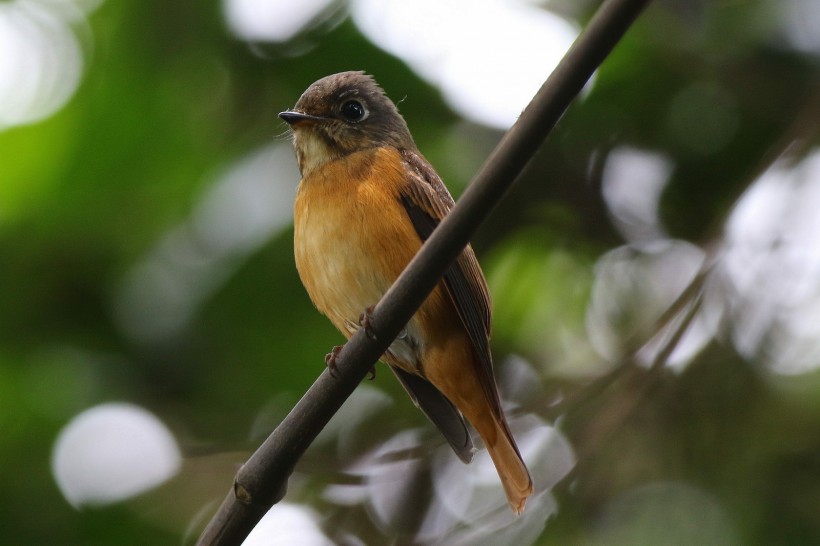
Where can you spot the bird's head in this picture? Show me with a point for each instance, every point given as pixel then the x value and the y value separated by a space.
pixel 341 114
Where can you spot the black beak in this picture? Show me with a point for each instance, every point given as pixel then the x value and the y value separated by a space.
pixel 294 118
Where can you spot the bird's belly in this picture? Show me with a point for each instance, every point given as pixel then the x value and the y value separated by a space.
pixel 351 242
pixel 340 274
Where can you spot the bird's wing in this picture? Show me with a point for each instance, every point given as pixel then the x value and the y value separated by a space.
pixel 427 201
pixel 440 411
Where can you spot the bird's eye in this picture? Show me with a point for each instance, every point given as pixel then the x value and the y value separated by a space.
pixel 353 110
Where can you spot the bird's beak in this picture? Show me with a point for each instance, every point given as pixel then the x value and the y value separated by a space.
pixel 292 117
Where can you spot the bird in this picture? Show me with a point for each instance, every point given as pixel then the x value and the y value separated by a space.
pixel 366 202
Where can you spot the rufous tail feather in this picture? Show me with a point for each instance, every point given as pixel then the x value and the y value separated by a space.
pixel 508 462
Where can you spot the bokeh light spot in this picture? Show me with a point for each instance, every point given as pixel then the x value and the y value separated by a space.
pixel 772 266
pixel 113 452
pixel 632 184
pixel 270 20
pixel 488 57
pixel 41 61
pixel 633 288
pixel 246 205
pixel 287 525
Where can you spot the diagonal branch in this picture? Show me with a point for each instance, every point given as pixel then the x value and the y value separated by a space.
pixel 262 480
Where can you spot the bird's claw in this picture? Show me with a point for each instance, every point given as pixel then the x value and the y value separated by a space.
pixel 330 359
pixel 364 322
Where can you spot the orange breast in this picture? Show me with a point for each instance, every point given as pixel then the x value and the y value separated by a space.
pixel 353 237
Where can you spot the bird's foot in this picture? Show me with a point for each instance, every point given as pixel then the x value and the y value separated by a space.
pixel 372 373
pixel 364 322
pixel 330 359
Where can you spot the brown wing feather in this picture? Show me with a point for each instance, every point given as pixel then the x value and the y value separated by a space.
pixel 427 201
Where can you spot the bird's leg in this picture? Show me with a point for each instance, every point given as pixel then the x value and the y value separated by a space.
pixel 330 359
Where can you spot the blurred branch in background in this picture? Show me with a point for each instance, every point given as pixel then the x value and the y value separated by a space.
pixel 262 480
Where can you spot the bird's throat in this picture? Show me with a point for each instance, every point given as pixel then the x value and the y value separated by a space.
pixel 313 151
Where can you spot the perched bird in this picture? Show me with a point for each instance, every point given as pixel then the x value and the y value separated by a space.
pixel 367 201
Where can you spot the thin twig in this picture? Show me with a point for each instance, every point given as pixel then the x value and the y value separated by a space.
pixel 672 343
pixel 262 480
pixel 629 376
pixel 688 300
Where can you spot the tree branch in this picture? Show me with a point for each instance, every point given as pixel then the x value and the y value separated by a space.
pixel 262 480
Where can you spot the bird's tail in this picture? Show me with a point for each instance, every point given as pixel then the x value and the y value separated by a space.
pixel 514 475
pixel 471 388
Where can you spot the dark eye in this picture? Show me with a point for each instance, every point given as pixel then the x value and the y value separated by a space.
pixel 353 110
